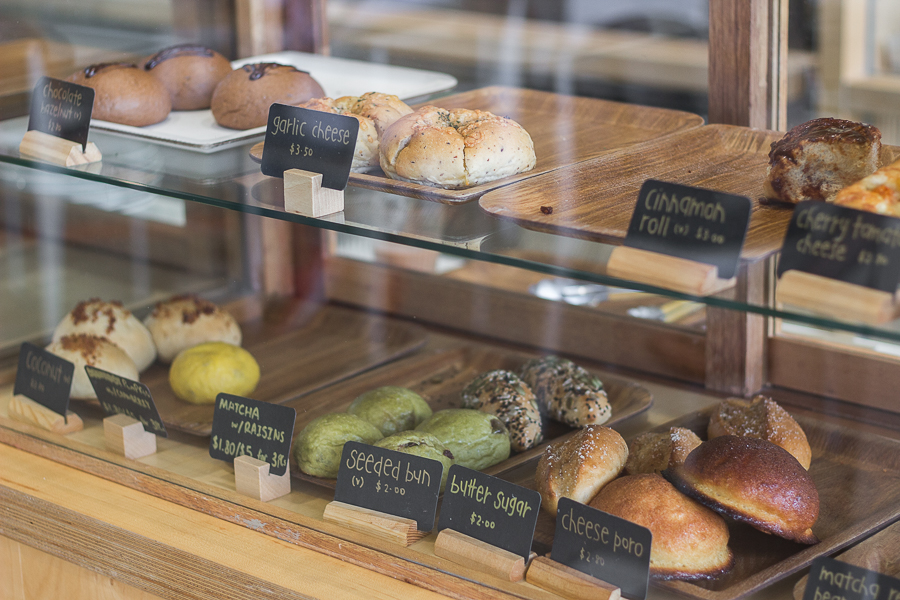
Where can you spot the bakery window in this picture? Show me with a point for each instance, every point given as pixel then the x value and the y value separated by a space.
pixel 500 296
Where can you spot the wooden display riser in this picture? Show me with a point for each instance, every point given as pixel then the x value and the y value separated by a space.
pixel 98 495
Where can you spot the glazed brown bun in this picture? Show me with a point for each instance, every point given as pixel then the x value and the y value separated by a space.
pixel 243 98
pixel 753 481
pixel 690 541
pixel 189 72
pixel 455 148
pixel 82 349
pixel 124 93
pixel 579 466
pixel 112 321
pixel 656 452
pixel 761 418
pixel 186 321
pixel 815 159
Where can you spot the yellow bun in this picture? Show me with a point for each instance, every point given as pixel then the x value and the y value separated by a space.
pixel 201 373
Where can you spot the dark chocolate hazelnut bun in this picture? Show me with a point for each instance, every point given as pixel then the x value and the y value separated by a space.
pixel 124 94
pixel 243 98
pixel 189 72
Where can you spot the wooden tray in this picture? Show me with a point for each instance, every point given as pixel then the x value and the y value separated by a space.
pixel 332 344
pixel 439 377
pixel 565 130
pixel 858 479
pixel 879 553
pixel 595 199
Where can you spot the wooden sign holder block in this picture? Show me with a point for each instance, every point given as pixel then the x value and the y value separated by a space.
pixel 398 530
pixel 252 478
pixel 669 272
pixel 26 410
pixel 56 150
pixel 475 554
pixel 304 195
pixel 836 299
pixel 568 582
pixel 127 436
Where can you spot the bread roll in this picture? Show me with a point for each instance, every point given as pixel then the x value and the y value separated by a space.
pixel 577 467
pixel 814 160
pixel 189 72
pixel 567 392
pixel 878 192
pixel 455 148
pixel 112 321
pixel 375 113
pixel 753 481
pixel 317 448
pixel 124 93
pixel 391 409
pixel 365 154
pixel 761 418
pixel 82 349
pixel 690 541
pixel 655 452
pixel 185 321
pixel 242 99
pixel 503 394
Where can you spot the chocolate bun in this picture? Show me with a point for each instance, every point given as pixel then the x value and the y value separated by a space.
pixel 243 98
pixel 189 72
pixel 125 94
pixel 690 541
pixel 754 481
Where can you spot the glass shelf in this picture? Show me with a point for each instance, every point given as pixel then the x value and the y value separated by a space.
pixel 230 179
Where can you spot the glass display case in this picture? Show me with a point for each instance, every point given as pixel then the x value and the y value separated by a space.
pixel 426 288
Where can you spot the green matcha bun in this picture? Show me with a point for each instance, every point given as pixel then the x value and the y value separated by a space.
pixel 391 409
pixel 419 443
pixel 317 449
pixel 476 439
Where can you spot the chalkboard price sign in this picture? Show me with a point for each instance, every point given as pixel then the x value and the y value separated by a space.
pixel 489 509
pixel 118 395
pixel 831 579
pixel 688 222
pixel 310 140
pixel 391 482
pixel 842 243
pixel 245 427
pixel 62 109
pixel 44 377
pixel 603 546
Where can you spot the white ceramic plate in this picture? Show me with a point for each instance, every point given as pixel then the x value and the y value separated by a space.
pixel 197 130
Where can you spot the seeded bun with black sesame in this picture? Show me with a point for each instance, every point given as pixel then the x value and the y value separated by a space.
pixel 503 394
pixel 566 392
